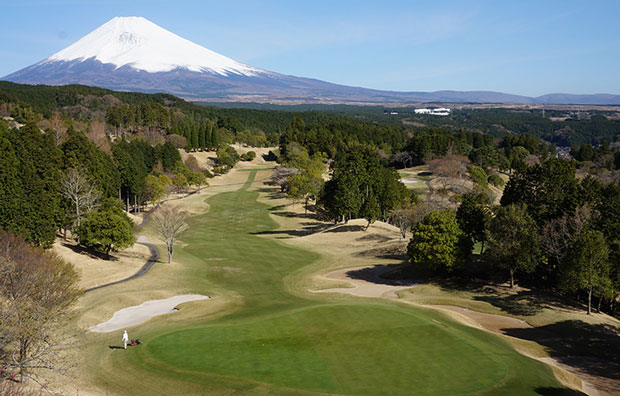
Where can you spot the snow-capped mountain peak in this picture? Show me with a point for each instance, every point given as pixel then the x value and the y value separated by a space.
pixel 142 45
pixel 134 54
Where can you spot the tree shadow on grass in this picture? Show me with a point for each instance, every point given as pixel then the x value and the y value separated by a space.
pixel 549 391
pixel 525 302
pixel 273 192
pixel 308 228
pixel 591 349
pixel 308 215
pixel 347 228
pixel 571 338
pixel 375 275
pixel 374 238
pixel 513 304
pixel 89 252
pixel 387 251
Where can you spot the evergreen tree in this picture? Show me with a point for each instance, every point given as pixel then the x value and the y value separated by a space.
pixel 39 175
pixel 79 152
pixel 215 138
pixel 129 174
pixel 202 130
pixel 11 189
pixel 105 231
pixel 370 209
pixel 474 216
pixel 513 241
pixel 549 190
pixel 209 136
pixel 437 242
pixel 169 156
pixel 194 137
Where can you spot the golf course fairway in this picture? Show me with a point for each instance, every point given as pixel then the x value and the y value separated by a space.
pixel 275 342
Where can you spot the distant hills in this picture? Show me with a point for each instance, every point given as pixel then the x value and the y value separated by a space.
pixel 134 54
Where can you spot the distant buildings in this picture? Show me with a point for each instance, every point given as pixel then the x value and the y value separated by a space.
pixel 440 111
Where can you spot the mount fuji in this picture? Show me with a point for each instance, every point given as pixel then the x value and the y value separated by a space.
pixel 134 54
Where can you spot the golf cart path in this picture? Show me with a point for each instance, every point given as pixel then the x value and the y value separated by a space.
pixel 137 314
pixel 368 283
pixel 142 240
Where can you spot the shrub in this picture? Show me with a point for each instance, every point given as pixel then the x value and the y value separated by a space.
pixel 249 156
pixel 496 180
pixel 478 176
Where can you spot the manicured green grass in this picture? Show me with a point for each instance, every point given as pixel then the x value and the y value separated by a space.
pixel 284 343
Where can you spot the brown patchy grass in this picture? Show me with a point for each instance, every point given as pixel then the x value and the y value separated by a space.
pixel 94 270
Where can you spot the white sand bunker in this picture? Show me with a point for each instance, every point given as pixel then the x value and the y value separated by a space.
pixel 132 316
pixel 410 180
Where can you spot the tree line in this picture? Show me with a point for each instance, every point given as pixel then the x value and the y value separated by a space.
pixel 552 231
pixel 74 185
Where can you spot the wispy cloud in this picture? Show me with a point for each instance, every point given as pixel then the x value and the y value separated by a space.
pixel 270 38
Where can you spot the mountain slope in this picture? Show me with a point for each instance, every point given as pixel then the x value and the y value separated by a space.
pixel 134 54
pixel 144 46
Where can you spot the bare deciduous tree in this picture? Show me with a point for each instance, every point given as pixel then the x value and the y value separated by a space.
pixel 192 163
pixel 403 218
pixel 169 222
pixel 96 133
pixel 558 234
pixel 37 290
pixel 404 158
pixel 60 131
pixel 177 141
pixel 281 174
pixel 449 169
pixel 80 191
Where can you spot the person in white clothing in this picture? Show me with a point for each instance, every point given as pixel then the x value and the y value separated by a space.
pixel 125 338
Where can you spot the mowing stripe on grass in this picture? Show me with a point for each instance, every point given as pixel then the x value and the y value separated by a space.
pixel 291 344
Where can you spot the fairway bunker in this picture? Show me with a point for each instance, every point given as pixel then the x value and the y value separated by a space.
pixel 132 316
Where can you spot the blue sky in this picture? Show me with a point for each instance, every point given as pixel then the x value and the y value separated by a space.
pixel 521 47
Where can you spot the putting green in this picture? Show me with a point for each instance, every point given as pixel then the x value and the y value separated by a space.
pixel 342 349
pixel 296 345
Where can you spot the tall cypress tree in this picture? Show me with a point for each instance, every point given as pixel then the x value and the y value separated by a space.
pixel 194 137
pixel 79 152
pixel 11 189
pixel 39 175
pixel 215 138
pixel 209 136
pixel 202 130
